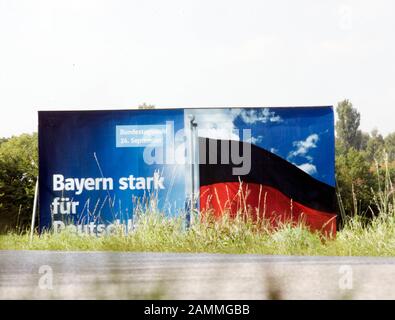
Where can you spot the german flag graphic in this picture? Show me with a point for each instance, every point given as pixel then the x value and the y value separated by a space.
pixel 273 189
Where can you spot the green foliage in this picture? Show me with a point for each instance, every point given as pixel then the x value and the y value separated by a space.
pixel 375 147
pixel 389 143
pixel 18 172
pixel 354 181
pixel 347 126
pixel 357 156
pixel 364 140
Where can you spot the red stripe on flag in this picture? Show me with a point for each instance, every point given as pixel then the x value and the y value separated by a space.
pixel 263 201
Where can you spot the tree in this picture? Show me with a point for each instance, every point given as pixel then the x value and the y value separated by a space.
pixel 146 106
pixel 389 143
pixel 364 140
pixel 354 176
pixel 18 173
pixel 375 147
pixel 354 181
pixel 347 126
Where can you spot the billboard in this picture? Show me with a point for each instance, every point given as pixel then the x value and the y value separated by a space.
pixel 100 168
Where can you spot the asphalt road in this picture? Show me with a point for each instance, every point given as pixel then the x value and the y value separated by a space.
pixel 108 275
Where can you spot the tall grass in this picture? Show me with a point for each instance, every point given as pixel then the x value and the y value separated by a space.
pixel 241 234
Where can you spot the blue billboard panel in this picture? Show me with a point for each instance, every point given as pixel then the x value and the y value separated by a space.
pixel 285 173
pixel 97 166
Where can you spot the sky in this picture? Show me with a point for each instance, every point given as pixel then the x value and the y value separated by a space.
pixel 70 55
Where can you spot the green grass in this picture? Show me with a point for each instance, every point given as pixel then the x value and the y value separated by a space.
pixel 155 233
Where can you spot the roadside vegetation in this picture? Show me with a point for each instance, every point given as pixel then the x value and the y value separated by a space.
pixel 365 167
pixel 360 236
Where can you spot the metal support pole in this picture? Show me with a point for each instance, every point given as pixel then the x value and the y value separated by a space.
pixel 193 125
pixel 34 211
